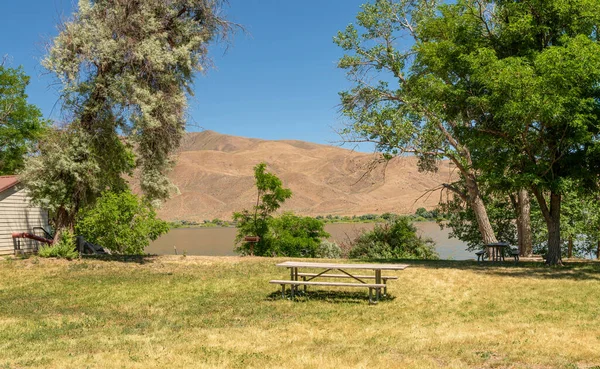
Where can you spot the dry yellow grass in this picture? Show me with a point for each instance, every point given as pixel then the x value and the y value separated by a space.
pixel 208 312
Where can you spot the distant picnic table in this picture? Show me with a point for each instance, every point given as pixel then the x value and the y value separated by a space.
pixel 496 252
pixel 345 270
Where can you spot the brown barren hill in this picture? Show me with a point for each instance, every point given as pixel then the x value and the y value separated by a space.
pixel 214 173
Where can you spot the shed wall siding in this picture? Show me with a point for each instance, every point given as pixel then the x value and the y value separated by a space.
pixel 17 215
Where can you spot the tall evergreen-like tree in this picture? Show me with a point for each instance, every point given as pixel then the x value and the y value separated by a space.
pixel 21 123
pixel 126 68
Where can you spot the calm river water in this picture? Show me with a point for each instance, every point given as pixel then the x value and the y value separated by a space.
pixel 219 241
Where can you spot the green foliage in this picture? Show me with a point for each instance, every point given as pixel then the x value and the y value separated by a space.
pixel 121 222
pixel 382 104
pixel 423 215
pixel 205 223
pixel 429 215
pixel 292 235
pixel 127 67
pixel 460 218
pixel 397 106
pixel 328 250
pixel 67 175
pixel 528 79
pixel 507 90
pixel 287 235
pixel 395 240
pixel 21 124
pixel 270 195
pixel 580 223
pixel 65 248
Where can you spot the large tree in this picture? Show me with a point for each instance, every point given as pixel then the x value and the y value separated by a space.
pixel 21 123
pixel 395 105
pixel 126 68
pixel 528 77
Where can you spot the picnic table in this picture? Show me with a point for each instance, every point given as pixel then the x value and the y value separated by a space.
pixel 345 271
pixel 496 252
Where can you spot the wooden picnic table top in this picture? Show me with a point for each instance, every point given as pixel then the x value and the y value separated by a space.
pixel 497 244
pixel 303 264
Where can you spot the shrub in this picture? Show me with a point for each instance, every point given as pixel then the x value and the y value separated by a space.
pixel 292 235
pixel 64 248
pixel 328 250
pixel 288 235
pixel 394 240
pixel 122 223
pixel 423 213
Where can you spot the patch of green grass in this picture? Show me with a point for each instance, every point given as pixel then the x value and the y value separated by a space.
pixel 207 312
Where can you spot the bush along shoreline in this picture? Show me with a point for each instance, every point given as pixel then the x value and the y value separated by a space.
pixel 421 215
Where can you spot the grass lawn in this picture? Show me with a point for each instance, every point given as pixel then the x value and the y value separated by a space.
pixel 208 312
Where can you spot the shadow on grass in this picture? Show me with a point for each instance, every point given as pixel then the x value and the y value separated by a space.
pixel 329 296
pixel 139 259
pixel 573 270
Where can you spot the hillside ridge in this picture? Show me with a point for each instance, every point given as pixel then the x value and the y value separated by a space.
pixel 214 174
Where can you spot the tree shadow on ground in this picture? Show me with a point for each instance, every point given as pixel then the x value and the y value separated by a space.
pixel 571 270
pixel 138 259
pixel 329 296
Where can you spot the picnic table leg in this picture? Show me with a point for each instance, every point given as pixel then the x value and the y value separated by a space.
pixel 296 278
pixel 292 286
pixel 283 291
pixel 378 281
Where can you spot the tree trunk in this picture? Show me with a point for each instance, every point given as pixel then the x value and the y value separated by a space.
pixel 598 251
pixel 552 218
pixel 517 206
pixel 554 254
pixel 63 221
pixel 524 224
pixel 476 203
pixel 570 248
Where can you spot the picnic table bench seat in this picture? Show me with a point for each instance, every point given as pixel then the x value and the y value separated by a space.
pixel 481 254
pixel 284 282
pixel 514 253
pixel 384 278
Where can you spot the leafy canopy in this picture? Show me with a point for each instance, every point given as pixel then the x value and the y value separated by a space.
pixel 270 196
pixel 68 174
pixel 393 240
pixel 526 78
pixel 21 124
pixel 296 236
pixel 126 69
pixel 122 223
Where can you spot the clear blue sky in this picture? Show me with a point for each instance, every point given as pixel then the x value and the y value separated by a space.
pixel 279 81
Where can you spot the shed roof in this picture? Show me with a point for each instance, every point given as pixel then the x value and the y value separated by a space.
pixel 7 182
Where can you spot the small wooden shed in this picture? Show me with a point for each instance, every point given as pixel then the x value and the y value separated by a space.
pixel 18 215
